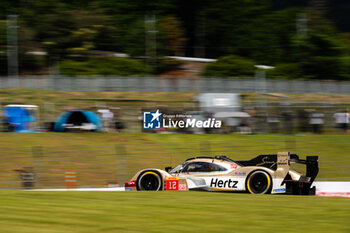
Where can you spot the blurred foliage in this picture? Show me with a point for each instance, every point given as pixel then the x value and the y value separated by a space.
pixel 168 64
pixel 319 56
pixel 172 36
pixel 345 67
pixel 223 28
pixel 134 40
pixel 230 66
pixel 104 66
pixel 262 31
pixel 3 49
pixel 272 37
pixel 285 71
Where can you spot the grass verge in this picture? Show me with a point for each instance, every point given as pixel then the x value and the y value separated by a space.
pixel 59 212
pixel 101 158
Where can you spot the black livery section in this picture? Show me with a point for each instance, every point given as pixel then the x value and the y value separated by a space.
pixel 268 161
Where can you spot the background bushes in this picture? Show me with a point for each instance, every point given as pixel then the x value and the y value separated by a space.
pixel 104 67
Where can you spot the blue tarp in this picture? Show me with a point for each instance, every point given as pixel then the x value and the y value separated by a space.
pixel 19 118
pixel 77 118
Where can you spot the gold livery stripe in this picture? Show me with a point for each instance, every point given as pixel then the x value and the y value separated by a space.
pixel 222 189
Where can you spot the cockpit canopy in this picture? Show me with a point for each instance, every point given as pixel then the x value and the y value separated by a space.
pixel 198 166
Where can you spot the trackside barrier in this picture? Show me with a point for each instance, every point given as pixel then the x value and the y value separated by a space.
pixel 70 178
pixel 158 84
pixel 328 189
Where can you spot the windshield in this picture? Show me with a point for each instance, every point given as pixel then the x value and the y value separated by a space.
pixel 177 169
pixel 203 167
pixel 197 167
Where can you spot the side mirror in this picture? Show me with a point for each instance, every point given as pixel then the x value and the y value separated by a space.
pixel 167 169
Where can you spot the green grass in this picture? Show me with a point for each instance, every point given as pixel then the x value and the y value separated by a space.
pixel 45 96
pixel 85 212
pixel 29 96
pixel 102 158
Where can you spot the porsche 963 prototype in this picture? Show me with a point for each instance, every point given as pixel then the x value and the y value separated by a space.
pixel 263 174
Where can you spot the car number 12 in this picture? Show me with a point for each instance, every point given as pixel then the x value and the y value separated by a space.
pixel 172 184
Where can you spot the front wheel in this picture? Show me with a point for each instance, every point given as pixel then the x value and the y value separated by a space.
pixel 259 182
pixel 149 181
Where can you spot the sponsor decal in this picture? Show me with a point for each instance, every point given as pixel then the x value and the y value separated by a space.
pixel 282 160
pixel 131 183
pixel 279 190
pixel 218 183
pixel 233 166
pixel 266 161
pixel 157 120
pixel 128 189
pixel 172 178
pixel 240 173
pixel 182 187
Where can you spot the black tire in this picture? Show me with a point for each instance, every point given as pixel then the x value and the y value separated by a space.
pixel 149 181
pixel 259 182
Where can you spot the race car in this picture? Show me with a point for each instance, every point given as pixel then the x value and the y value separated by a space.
pixel 263 174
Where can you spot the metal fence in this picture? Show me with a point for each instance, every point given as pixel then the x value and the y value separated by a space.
pixel 129 113
pixel 44 167
pixel 157 84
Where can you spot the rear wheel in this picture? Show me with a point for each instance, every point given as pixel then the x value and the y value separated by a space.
pixel 149 181
pixel 259 182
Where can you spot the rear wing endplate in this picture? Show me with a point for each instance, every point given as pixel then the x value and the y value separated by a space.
pixel 303 185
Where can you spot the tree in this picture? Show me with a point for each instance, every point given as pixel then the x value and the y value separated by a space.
pixel 221 27
pixel 52 23
pixel 319 51
pixel 63 31
pixel 129 17
pixel 230 66
pixel 3 47
pixel 93 30
pixel 271 39
pixel 319 56
pixel 172 35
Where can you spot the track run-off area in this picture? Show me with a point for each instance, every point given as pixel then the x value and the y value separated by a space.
pixel 323 188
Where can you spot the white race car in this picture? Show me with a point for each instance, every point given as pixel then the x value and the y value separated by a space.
pixel 260 175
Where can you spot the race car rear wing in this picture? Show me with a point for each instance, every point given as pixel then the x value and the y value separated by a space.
pixel 303 185
pixel 311 163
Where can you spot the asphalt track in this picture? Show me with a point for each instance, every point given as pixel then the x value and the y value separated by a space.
pixel 323 188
